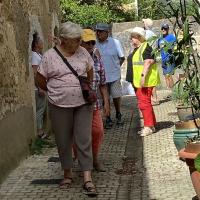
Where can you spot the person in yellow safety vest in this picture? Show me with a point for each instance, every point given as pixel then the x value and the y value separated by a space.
pixel 142 72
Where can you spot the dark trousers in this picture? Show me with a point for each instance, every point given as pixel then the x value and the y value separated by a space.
pixel 73 125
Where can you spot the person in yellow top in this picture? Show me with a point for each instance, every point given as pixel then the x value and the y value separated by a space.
pixel 142 72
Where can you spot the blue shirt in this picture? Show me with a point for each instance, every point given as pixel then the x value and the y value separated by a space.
pixel 165 55
pixel 111 51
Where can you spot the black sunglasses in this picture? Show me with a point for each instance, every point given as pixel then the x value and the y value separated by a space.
pixel 101 31
pixel 92 42
pixel 164 29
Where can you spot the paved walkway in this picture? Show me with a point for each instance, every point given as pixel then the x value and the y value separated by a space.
pixel 137 168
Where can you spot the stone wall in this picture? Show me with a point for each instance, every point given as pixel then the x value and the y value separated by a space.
pixel 19 19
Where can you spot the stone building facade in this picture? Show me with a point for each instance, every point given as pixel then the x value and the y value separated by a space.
pixel 19 20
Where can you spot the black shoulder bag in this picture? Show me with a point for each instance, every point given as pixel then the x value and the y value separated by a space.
pixel 89 94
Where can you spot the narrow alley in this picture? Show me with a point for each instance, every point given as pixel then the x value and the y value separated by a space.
pixel 137 168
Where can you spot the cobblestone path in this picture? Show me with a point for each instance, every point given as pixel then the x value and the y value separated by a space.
pixel 137 168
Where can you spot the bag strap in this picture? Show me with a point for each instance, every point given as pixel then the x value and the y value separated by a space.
pixel 66 62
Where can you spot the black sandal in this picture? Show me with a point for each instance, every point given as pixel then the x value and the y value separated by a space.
pixel 89 190
pixel 66 183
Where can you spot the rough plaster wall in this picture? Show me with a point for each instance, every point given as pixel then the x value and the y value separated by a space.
pixel 55 23
pixel 18 21
pixel 14 87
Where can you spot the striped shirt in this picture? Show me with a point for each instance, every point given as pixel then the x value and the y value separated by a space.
pixel 99 79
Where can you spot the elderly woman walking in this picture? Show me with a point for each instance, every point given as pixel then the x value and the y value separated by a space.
pixel 142 72
pixel 99 85
pixel 70 114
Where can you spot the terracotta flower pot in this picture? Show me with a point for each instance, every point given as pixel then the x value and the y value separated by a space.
pixel 195 175
pixel 187 155
pixel 193 147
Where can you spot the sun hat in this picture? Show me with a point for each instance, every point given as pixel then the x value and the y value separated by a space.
pixel 88 35
pixel 148 23
pixel 165 26
pixel 138 30
pixel 102 27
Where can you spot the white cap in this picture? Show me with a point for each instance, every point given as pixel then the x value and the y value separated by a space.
pixel 148 23
pixel 140 31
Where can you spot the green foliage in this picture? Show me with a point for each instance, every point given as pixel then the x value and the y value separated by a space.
pixel 87 14
pixel 197 163
pixel 109 3
pixel 38 144
pixel 150 9
pixel 180 94
pixel 158 9
pixel 188 90
pixel 127 1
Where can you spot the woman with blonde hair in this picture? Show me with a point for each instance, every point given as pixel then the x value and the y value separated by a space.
pixel 99 85
pixel 142 72
pixel 70 114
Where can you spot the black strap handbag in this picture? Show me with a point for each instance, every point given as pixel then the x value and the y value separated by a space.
pixel 89 94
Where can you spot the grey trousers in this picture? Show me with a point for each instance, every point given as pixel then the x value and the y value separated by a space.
pixel 73 125
pixel 40 109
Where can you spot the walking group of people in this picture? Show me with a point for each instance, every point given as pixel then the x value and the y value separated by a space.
pixel 77 124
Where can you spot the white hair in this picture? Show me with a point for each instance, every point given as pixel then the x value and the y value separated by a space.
pixel 70 30
pixel 148 23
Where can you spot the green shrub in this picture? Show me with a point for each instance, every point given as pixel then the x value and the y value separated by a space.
pixel 92 14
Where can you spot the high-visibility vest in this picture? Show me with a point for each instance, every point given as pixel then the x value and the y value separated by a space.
pixel 152 78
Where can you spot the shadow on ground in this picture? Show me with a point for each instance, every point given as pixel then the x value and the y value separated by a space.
pixel 164 100
pixel 164 125
pixel 132 173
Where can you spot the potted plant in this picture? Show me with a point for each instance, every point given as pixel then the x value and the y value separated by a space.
pixel 187 90
pixel 186 128
pixel 181 98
